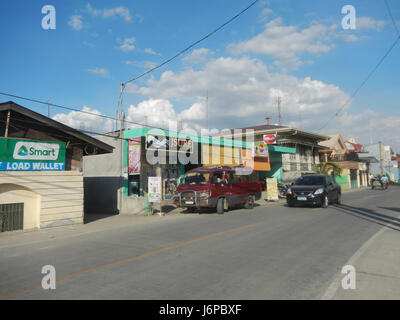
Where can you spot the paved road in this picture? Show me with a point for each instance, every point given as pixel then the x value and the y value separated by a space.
pixel 270 252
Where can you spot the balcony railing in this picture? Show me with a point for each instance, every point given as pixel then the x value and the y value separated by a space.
pixel 341 157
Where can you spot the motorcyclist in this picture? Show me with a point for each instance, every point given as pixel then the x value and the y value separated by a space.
pixel 371 179
pixel 384 181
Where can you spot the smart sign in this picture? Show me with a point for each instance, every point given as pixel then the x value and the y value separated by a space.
pixel 29 155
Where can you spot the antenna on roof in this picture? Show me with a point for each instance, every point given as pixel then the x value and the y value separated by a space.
pixel 278 100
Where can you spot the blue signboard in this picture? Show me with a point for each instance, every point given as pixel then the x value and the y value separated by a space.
pixel 31 166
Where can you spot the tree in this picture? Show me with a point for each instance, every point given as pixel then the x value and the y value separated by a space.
pixel 328 168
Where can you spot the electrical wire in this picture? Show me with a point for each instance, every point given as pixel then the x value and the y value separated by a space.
pixel 363 83
pixel 193 44
pixel 77 110
pixel 391 17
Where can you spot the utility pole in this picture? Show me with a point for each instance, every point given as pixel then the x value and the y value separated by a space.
pixel 121 136
pixel 207 110
pixel 279 111
pixel 381 157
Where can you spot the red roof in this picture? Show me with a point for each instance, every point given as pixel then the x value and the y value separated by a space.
pixel 353 147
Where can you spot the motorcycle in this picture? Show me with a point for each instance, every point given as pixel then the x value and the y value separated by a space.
pixel 377 183
pixel 282 190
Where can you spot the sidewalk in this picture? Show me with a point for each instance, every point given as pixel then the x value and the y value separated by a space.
pixel 377 266
pixel 170 208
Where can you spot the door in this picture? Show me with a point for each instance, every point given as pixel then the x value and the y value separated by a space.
pixel 332 189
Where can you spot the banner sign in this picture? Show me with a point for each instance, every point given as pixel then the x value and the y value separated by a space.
pixel 160 142
pixel 30 155
pixel 260 149
pixel 155 189
pixel 32 166
pixel 269 138
pixel 134 153
pixel 272 189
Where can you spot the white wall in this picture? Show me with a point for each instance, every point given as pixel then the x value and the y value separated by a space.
pixel 59 195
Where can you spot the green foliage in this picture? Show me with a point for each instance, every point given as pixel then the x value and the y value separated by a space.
pixel 327 167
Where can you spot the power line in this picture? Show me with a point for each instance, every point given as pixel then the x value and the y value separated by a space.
pixel 61 136
pixel 391 17
pixel 193 44
pixel 363 83
pixel 76 110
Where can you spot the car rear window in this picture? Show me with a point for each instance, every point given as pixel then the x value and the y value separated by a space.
pixel 310 180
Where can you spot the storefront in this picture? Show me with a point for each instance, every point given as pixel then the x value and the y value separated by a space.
pixel 153 152
pixel 41 180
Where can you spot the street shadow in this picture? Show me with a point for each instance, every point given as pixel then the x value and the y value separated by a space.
pixel 214 210
pixel 91 217
pixel 370 215
pixel 389 208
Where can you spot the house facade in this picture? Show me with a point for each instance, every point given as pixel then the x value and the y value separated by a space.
pixel 345 154
pixel 293 152
pixel 41 180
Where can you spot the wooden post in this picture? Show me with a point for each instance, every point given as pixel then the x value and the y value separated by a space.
pixel 7 124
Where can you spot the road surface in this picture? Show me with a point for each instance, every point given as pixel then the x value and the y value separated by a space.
pixel 270 252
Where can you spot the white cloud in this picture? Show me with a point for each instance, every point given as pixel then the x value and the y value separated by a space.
pixel 150 51
pixel 127 44
pixel 161 113
pixel 242 92
pixel 370 24
pixel 142 64
pixel 121 11
pixel 99 71
pixel 76 22
pixel 287 43
pixel 85 121
pixel 198 56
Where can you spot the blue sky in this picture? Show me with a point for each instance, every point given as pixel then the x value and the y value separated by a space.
pixel 293 49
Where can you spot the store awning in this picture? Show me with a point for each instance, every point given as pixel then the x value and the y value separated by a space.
pixel 281 149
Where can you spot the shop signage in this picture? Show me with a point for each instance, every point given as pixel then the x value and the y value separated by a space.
pixel 167 143
pixel 272 189
pixel 260 149
pixel 29 155
pixel 154 189
pixel 134 153
pixel 269 138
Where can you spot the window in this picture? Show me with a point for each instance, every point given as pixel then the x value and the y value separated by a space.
pixel 217 177
pixel 196 178
pixel 310 180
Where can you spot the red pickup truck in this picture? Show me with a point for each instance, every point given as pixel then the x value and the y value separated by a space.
pixel 218 187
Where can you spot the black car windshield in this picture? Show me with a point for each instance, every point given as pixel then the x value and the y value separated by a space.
pixel 310 181
pixel 196 178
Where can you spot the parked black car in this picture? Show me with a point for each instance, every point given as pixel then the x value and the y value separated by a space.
pixel 314 189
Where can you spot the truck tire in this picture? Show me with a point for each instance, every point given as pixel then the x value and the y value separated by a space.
pixel 250 202
pixel 220 206
pixel 325 202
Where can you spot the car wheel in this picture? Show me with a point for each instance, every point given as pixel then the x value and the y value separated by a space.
pixel 339 198
pixel 290 203
pixel 249 203
pixel 325 202
pixel 220 206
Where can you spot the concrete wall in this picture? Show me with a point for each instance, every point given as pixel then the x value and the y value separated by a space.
pixel 102 179
pixel 375 150
pixel 51 198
